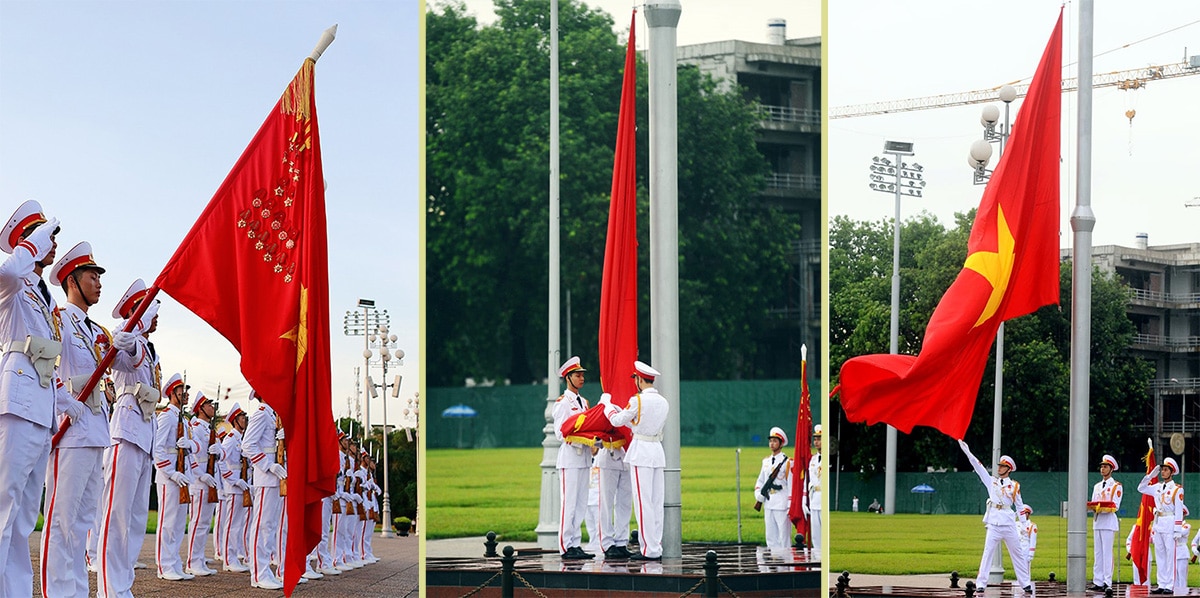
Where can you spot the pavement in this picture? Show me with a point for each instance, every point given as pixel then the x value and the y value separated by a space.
pixel 396 574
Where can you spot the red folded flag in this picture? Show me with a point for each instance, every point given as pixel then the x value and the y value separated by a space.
pixel 255 266
pixel 618 287
pixel 803 453
pixel 1011 270
pixel 1139 543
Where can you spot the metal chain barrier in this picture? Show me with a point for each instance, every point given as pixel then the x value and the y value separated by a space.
pixel 731 593
pixel 693 589
pixel 481 587
pixel 527 584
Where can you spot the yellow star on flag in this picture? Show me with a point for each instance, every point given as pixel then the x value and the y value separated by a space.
pixel 299 334
pixel 995 266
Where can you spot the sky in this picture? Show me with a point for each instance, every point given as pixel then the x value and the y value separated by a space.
pixel 701 21
pixel 122 119
pixel 1142 171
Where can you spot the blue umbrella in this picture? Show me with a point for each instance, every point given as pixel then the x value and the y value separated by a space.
pixel 922 489
pixel 459 410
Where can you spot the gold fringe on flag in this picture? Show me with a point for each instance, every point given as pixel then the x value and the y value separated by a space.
pixel 297 98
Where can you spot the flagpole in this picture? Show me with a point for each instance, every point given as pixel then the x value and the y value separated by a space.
pixel 1083 221
pixel 547 529
pixel 323 43
pixel 662 16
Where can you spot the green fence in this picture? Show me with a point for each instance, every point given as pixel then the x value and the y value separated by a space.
pixel 711 413
pixel 961 492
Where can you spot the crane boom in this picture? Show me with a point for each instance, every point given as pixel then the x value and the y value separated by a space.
pixel 1128 79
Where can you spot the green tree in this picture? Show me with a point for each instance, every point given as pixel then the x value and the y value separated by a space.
pixel 1036 360
pixel 487 225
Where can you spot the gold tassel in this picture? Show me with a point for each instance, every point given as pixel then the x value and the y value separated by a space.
pixel 297 98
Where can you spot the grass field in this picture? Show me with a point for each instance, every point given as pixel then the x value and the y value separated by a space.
pixel 906 544
pixel 471 492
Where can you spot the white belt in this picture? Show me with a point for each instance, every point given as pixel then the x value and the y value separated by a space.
pixel 648 438
pixel 270 449
pixel 42 352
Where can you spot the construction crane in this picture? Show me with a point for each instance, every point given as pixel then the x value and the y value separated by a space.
pixel 1128 80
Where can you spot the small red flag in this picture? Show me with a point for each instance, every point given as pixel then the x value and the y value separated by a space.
pixel 1139 543
pixel 803 453
pixel 1011 270
pixel 255 266
pixel 618 287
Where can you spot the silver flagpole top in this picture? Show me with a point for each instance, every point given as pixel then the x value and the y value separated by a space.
pixel 326 39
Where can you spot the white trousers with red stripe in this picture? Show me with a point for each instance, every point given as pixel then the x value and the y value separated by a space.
pixel 341 544
pixel 25 447
pixel 1102 550
pixel 123 524
pixel 991 543
pixel 232 520
pixel 648 507
pixel 73 483
pixel 265 521
pixel 616 505
pixel 321 552
pixel 95 512
pixel 201 513
pixel 573 483
pixel 1164 557
pixel 172 521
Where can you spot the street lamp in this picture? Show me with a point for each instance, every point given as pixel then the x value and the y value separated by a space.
pixel 414 431
pixel 384 344
pixel 897 178
pixel 977 159
pixel 361 324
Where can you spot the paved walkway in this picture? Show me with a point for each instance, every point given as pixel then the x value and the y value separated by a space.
pixel 396 574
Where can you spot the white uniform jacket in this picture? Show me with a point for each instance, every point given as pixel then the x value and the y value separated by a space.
pixel 258 444
pixel 231 460
pixel 130 368
pixel 646 416
pixel 80 356
pixel 1109 489
pixel 1004 496
pixel 570 455
pixel 24 313
pixel 779 498
pixel 166 451
pixel 1168 504
pixel 198 430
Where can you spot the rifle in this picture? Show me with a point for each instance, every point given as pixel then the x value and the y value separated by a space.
pixel 358 489
pixel 246 499
pixel 212 459
pixel 281 456
pixel 185 494
pixel 765 491
pixel 337 504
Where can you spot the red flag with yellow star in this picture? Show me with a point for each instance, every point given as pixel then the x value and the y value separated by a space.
pixel 1011 270
pixel 1139 538
pixel 255 266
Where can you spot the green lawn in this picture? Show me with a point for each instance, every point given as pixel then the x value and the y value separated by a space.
pixel 471 492
pixel 905 544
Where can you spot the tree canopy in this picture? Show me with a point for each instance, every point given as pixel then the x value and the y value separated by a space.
pixel 1036 352
pixel 487 222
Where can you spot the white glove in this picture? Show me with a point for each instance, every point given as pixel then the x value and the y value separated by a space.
pixel 184 443
pixel 279 434
pixel 356 498
pixel 74 410
pixel 40 238
pixel 278 470
pixel 214 449
pixel 1154 472
pixel 963 445
pixel 208 480
pixel 241 484
pixel 806 511
pixel 1179 533
pixel 606 399
pixel 151 311
pixel 339 496
pixel 124 341
pixel 179 479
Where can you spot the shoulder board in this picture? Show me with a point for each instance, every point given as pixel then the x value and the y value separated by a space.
pixel 560 397
pixel 262 408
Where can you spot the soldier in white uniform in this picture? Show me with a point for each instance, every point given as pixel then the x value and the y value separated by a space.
pixel 30 342
pixel 574 462
pixel 1004 499
pixel 812 494
pixel 172 481
pixel 234 514
pixel 137 378
pixel 773 491
pixel 1168 521
pixel 1105 524
pixel 74 474
pixel 266 516
pixel 1181 559
pixel 343 521
pixel 646 415
pixel 1027 529
pixel 201 512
